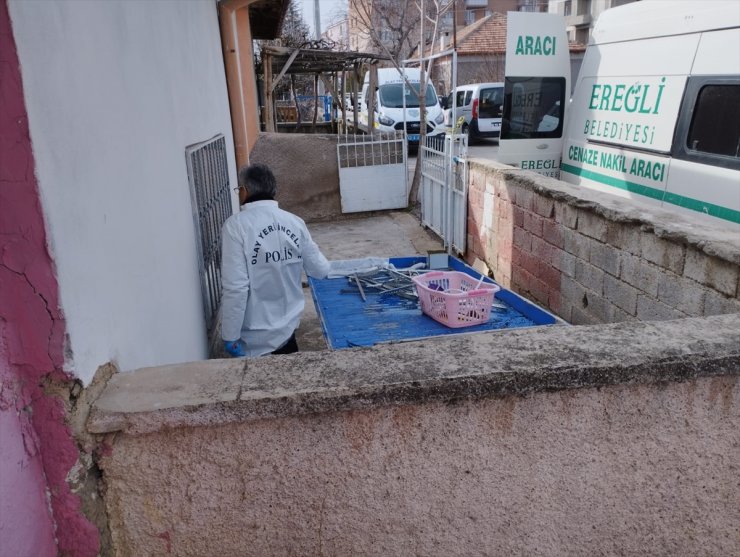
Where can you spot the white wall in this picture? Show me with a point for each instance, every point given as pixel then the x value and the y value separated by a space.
pixel 115 91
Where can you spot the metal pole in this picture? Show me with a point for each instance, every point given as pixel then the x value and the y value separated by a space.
pixel 317 36
pixel 450 155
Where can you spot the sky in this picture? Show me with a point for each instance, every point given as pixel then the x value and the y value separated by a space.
pixel 328 8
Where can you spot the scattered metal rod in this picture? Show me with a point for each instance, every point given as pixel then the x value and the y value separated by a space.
pixel 359 287
pixel 389 290
pixel 386 281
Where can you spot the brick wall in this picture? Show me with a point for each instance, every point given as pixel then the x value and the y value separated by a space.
pixel 595 258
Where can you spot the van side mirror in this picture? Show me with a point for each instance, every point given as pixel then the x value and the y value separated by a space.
pixel 443 102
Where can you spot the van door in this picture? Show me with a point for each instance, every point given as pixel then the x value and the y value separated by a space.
pixel 704 174
pixel 536 92
pixel 490 109
pixel 705 160
pixel 459 109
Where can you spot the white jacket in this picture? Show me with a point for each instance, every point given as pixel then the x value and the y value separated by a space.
pixel 263 252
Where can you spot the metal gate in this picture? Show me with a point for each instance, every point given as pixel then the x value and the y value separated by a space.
pixel 208 174
pixel 444 188
pixel 372 172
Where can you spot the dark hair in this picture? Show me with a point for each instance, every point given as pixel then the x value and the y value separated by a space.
pixel 259 181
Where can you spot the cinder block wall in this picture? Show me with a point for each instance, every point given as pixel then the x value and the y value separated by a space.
pixel 594 258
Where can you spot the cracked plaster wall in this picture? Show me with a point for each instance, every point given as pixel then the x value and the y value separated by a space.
pixel 39 514
pixel 115 92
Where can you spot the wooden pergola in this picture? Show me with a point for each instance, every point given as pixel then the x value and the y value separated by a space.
pixel 332 67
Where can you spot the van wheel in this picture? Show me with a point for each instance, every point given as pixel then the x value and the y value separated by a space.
pixel 466 130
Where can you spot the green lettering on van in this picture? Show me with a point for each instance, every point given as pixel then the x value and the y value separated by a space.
pixel 528 45
pixel 637 97
pixel 718 211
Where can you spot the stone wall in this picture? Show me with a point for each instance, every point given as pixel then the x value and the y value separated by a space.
pixel 609 439
pixel 307 172
pixel 593 258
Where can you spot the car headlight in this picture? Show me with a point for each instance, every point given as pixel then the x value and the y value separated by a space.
pixel 439 119
pixel 383 119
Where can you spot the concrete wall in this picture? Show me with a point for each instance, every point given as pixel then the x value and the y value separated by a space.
pixel 115 92
pixel 612 439
pixel 307 172
pixel 594 258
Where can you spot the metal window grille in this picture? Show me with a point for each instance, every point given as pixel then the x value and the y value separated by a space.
pixel 208 175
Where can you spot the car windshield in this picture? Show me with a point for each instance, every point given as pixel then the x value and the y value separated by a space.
pixel 391 95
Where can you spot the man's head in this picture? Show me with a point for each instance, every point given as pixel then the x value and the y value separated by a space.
pixel 256 182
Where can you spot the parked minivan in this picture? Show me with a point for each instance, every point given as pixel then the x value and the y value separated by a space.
pixel 480 107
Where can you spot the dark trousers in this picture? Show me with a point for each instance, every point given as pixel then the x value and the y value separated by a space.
pixel 290 347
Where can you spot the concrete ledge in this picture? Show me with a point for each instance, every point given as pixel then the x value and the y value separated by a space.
pixel 715 239
pixel 475 366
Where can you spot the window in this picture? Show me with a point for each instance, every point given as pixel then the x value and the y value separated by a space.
pixel 584 7
pixel 708 129
pixel 392 96
pixel 533 107
pixel 210 196
pixel 491 102
pixel 715 127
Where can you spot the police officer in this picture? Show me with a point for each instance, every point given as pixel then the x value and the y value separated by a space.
pixel 264 251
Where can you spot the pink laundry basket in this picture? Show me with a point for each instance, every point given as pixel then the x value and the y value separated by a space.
pixel 451 297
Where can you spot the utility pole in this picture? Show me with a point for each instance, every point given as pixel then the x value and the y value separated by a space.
pixel 317 35
pixel 316 20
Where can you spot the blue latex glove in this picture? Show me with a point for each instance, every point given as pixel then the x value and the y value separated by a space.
pixel 235 348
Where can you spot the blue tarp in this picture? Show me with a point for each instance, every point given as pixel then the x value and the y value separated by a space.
pixel 349 321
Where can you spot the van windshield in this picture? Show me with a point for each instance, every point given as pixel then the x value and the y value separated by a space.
pixel 391 95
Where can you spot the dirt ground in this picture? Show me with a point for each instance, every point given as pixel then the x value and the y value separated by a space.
pixel 392 234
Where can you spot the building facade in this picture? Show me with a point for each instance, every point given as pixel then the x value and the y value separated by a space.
pixel 338 33
pixel 581 15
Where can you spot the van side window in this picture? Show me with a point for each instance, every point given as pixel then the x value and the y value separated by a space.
pixel 715 127
pixel 460 101
pixel 708 128
pixel 533 107
pixel 468 96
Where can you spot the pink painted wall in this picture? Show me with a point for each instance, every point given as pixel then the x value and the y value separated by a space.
pixel 37 448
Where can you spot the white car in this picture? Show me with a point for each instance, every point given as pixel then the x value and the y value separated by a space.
pixel 478 111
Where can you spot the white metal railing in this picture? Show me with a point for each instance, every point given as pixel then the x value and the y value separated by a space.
pixel 444 192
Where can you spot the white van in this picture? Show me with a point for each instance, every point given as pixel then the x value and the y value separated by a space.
pixel 480 105
pixel 392 94
pixel 655 112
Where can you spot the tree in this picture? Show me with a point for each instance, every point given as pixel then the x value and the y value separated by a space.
pixel 295 33
pixel 397 29
pixel 388 27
